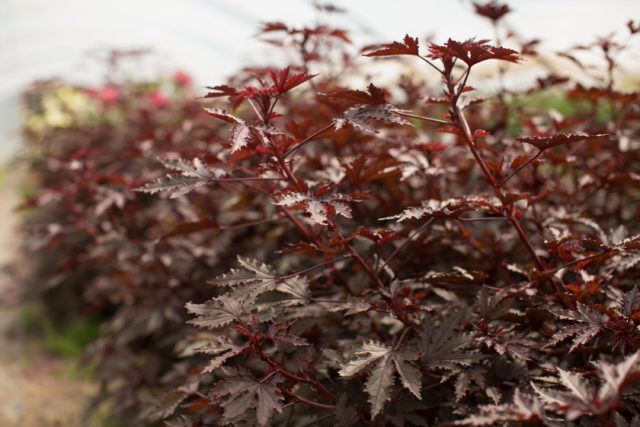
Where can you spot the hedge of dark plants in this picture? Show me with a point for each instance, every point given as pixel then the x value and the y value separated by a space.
pixel 289 250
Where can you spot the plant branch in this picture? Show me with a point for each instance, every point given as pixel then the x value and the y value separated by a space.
pixel 249 223
pixel 522 166
pixel 285 167
pixel 525 239
pixel 464 78
pixel 367 267
pixel 307 139
pixel 310 402
pixel 255 109
pixel 484 218
pixel 431 64
pixel 577 261
pixel 273 105
pixel 468 137
pixel 294 377
pixel 397 346
pixel 242 179
pixel 408 239
pixel 426 119
pixel 297 223
pixel 313 267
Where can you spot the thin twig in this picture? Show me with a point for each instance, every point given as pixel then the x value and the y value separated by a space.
pixel 248 178
pixel 313 267
pixel 468 137
pixel 315 421
pixel 430 63
pixel 311 402
pixel 484 218
pixel 508 177
pixel 397 346
pixel 284 166
pixel 408 239
pixel 294 377
pixel 295 221
pixel 307 139
pixel 464 78
pixel 426 119
pixel 577 261
pixel 255 109
pixel 250 223
pixel 367 267
pixel 273 105
pixel 328 300
pixel 525 239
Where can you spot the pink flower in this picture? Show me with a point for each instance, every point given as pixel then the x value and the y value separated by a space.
pixel 182 79
pixel 108 94
pixel 158 99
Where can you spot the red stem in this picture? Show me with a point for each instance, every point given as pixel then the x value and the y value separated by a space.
pixel 367 267
pixel 285 168
pixel 577 261
pixel 424 118
pixel 242 179
pixel 297 223
pixel 525 239
pixel 430 63
pixel 248 224
pixel 313 267
pixel 408 239
pixel 468 136
pixel 307 139
pixel 310 402
pixel 518 169
pixel 294 377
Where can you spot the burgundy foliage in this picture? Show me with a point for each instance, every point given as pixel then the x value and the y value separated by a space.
pixel 323 255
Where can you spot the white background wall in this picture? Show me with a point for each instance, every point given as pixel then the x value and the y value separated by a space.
pixel 212 38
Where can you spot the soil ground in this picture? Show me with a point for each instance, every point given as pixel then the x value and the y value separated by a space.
pixel 36 389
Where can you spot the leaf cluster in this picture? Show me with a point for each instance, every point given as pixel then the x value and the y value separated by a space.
pixel 326 255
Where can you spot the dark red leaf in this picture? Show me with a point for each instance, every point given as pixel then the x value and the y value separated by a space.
pixel 471 52
pixel 545 142
pixel 224 90
pixel 408 47
pixel 283 83
pixel 268 27
pixel 376 96
pixel 191 227
pixel 492 10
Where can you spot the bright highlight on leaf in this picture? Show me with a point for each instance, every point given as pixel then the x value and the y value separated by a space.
pixel 384 362
pixel 409 46
pixel 192 175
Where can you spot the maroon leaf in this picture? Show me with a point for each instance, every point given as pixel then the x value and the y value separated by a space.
pixel 192 175
pixel 268 27
pixel 223 115
pixel 225 91
pixel 589 323
pixel 471 52
pixel 409 46
pixel 360 115
pixel 282 82
pixel 553 140
pixel 191 227
pixel 492 10
pixel 376 96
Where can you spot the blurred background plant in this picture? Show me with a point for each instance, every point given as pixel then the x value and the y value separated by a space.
pixel 112 268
